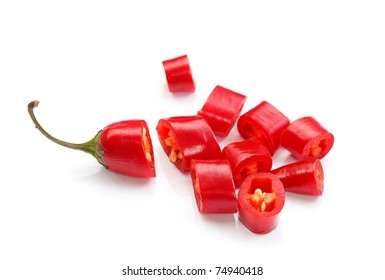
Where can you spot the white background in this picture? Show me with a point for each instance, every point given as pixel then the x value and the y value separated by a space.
pixel 90 63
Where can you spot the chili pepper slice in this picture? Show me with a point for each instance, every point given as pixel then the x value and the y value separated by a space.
pixel 303 177
pixel 124 147
pixel 247 157
pixel 221 109
pixel 213 186
pixel 265 121
pixel 184 138
pixel 306 138
pixel 261 198
pixel 178 74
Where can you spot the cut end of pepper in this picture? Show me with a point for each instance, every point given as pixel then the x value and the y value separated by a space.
pixel 319 146
pixel 197 191
pixel 147 146
pixel 305 138
pixel 318 177
pixel 148 150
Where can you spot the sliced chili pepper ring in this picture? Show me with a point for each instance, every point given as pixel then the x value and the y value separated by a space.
pixel 305 138
pixel 264 121
pixel 221 109
pixel 261 198
pixel 187 137
pixel 247 157
pixel 213 186
pixel 303 177
pixel 178 74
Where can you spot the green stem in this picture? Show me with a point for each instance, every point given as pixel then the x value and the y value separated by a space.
pixel 91 147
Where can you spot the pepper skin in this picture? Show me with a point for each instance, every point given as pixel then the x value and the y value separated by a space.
pixel 303 177
pixel 247 157
pixel 265 121
pixel 178 74
pixel 127 148
pixel 213 186
pixel 221 110
pixel 185 138
pixel 124 147
pixel 306 138
pixel 261 198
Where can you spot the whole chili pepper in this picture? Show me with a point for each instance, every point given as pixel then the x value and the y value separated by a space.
pixel 221 109
pixel 306 138
pixel 124 147
pixel 261 198
pixel 247 157
pixel 213 186
pixel 187 137
pixel 178 74
pixel 265 121
pixel 303 177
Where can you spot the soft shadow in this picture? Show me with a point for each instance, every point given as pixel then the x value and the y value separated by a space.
pixel 223 223
pixel 105 178
pixel 224 219
pixel 167 92
pixel 302 198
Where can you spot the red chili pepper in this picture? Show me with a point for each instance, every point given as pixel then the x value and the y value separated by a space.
pixel 178 74
pixel 185 138
pixel 303 177
pixel 265 121
pixel 306 138
pixel 213 186
pixel 124 147
pixel 221 109
pixel 261 198
pixel 247 157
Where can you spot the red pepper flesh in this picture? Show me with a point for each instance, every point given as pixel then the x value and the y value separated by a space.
pixel 261 198
pixel 306 138
pixel 213 186
pixel 124 147
pixel 247 157
pixel 303 177
pixel 178 74
pixel 265 121
pixel 221 109
pixel 184 138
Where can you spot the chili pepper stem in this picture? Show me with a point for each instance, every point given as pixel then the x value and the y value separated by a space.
pixel 91 147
